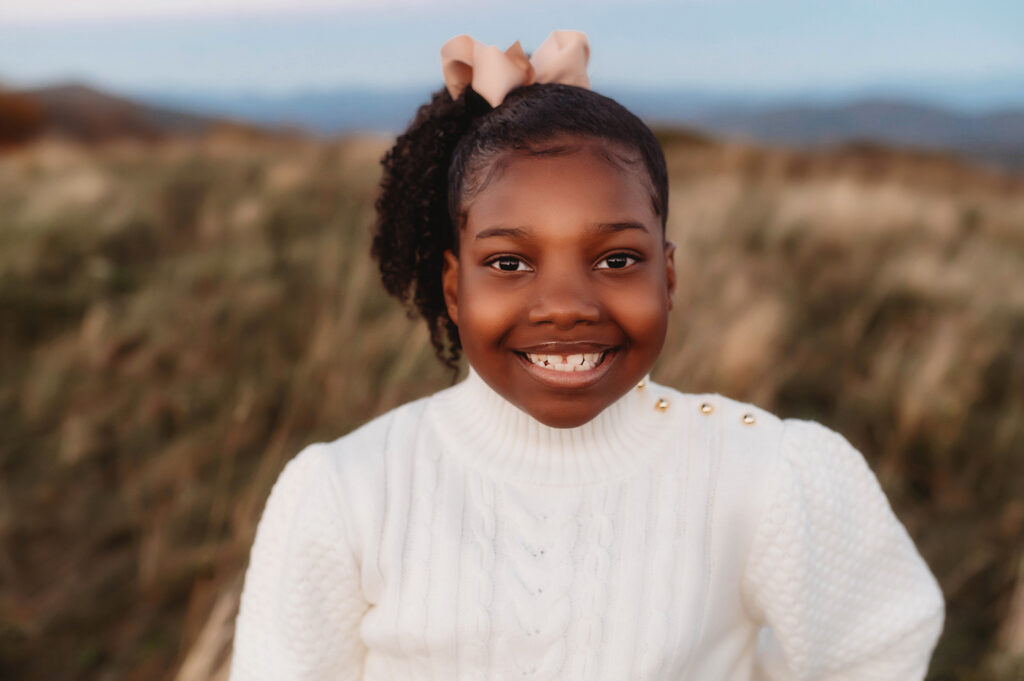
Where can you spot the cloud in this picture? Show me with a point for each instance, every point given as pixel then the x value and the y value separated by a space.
pixel 49 11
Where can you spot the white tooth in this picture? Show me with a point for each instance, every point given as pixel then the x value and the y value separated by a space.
pixel 578 362
pixel 541 360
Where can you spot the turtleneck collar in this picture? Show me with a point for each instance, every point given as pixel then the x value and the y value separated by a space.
pixel 492 435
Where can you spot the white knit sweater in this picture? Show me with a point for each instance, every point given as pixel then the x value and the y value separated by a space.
pixel 456 537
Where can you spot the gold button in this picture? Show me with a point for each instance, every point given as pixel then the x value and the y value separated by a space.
pixel 642 384
pixel 748 419
pixel 706 408
pixel 661 404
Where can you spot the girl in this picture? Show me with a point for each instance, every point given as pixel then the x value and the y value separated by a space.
pixel 557 514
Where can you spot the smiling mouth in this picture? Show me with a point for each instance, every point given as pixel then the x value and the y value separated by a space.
pixel 567 363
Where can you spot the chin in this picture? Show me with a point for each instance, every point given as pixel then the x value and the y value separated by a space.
pixel 564 417
pixel 565 423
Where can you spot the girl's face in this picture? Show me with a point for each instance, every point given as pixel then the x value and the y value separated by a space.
pixel 562 260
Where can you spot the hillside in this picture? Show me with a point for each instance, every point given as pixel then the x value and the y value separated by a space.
pixel 84 114
pixel 178 319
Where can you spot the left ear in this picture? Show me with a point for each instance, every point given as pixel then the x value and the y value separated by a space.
pixel 450 285
pixel 670 271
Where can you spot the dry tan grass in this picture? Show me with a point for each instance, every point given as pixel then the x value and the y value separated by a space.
pixel 178 320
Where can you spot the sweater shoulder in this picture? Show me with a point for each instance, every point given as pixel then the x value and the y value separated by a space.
pixel 739 440
pixel 753 433
pixel 359 455
pixel 805 440
pixel 739 429
pixel 826 466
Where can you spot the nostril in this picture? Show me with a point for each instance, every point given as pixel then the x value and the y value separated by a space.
pixel 566 320
pixel 565 310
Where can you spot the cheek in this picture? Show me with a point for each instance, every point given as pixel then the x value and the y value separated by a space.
pixel 643 314
pixel 484 316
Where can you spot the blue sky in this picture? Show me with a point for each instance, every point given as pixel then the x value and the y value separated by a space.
pixel 271 46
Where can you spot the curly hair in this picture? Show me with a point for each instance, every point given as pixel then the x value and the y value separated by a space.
pixel 440 162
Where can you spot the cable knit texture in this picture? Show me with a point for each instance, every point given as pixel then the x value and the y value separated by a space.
pixel 458 538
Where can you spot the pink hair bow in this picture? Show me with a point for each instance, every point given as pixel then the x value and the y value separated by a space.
pixel 561 58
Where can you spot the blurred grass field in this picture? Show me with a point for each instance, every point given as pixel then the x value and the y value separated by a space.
pixel 177 320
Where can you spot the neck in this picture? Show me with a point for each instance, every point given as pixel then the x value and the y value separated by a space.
pixel 494 436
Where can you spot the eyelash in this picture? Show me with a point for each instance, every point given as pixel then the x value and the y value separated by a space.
pixel 629 256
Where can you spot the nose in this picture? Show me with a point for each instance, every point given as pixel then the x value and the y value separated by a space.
pixel 565 299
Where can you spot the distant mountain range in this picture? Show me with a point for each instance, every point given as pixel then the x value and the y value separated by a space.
pixel 995 137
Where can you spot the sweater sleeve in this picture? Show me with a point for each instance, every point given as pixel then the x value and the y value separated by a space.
pixel 301 604
pixel 833 575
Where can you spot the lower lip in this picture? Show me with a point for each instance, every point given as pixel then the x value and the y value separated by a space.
pixel 568 380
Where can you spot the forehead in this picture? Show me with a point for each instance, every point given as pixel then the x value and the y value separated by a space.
pixel 562 181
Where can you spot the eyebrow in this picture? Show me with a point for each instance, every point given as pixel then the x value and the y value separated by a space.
pixel 525 233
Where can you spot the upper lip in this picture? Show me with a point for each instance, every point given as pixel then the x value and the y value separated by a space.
pixel 565 347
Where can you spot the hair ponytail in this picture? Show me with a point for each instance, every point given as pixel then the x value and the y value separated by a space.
pixel 413 226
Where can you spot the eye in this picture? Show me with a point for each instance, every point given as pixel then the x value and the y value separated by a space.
pixel 616 261
pixel 509 263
